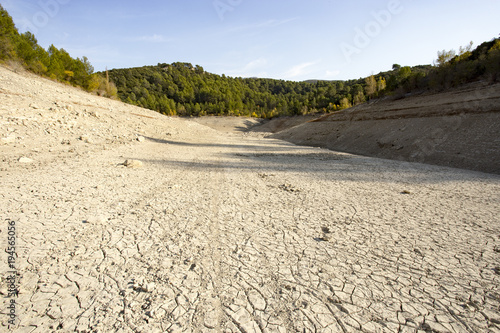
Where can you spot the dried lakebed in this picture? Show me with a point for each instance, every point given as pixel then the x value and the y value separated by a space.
pixel 219 232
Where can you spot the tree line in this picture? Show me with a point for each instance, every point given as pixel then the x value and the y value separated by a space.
pixel 57 64
pixel 186 90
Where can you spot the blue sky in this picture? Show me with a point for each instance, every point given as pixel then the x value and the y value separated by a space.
pixel 291 40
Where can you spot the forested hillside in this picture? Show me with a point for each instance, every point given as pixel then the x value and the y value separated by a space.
pixel 187 90
pixel 184 89
pixel 23 49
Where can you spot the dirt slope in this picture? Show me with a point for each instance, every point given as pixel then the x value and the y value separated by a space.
pixel 46 121
pixel 282 123
pixel 229 124
pixel 459 128
pixel 218 231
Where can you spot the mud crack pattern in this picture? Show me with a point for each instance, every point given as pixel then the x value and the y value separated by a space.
pixel 225 233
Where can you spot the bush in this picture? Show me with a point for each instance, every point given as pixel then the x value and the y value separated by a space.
pixel 102 87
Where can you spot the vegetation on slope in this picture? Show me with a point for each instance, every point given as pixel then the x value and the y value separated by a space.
pixel 184 89
pixel 57 64
pixel 187 90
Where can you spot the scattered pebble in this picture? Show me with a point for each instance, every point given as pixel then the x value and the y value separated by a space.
pixel 140 285
pixel 149 287
pixel 288 188
pixel 95 220
pixel 8 139
pixel 85 138
pixel 133 164
pixel 25 160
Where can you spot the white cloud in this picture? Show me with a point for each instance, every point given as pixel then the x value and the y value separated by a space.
pixel 254 68
pixel 299 70
pixel 255 64
pixel 332 73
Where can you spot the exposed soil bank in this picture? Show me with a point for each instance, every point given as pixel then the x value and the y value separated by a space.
pixel 459 128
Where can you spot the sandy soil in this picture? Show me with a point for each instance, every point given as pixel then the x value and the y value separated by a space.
pixel 226 232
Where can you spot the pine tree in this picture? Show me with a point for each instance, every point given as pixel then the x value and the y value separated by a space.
pixel 359 98
pixel 371 86
pixel 8 34
pixel 381 84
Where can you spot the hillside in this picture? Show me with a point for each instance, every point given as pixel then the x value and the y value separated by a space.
pixel 48 122
pixel 187 90
pixel 21 50
pixel 458 128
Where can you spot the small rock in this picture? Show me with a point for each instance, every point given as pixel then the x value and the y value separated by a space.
pixel 134 164
pixel 8 139
pixel 85 138
pixel 288 188
pixel 25 160
pixel 34 106
pixel 96 220
pixel 141 139
pixel 69 107
pixel 141 285
pixel 325 238
pixel 149 287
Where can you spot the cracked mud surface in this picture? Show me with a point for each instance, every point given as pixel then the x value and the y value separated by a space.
pixel 226 232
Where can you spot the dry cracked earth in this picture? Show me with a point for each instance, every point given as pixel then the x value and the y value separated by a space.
pixel 230 231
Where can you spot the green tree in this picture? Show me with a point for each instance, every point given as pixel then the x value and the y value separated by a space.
pixel 359 98
pixel 371 86
pixel 8 34
pixel 381 84
pixel 444 57
pixel 404 73
pixel 345 103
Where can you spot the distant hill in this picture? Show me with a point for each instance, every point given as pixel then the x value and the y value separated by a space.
pixel 187 90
